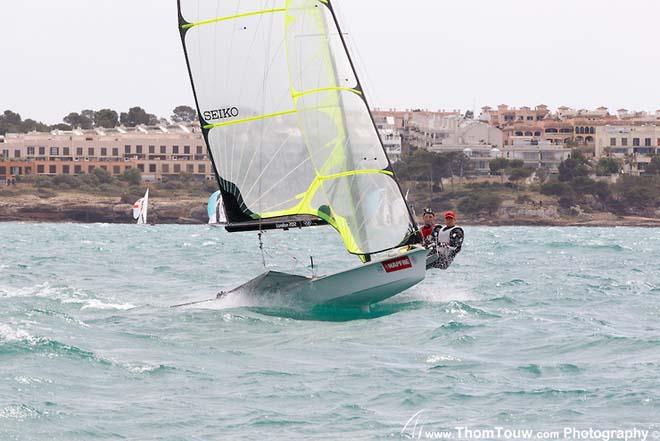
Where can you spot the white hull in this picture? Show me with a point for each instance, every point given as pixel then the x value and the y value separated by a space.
pixel 358 287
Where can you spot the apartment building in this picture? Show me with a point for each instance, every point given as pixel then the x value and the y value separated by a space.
pixel 634 144
pixel 157 151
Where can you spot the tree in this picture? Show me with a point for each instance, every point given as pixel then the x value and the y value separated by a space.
pixel 518 174
pixel 608 166
pixel 78 121
pixel 654 166
pixel 10 122
pixel 575 166
pixel 498 165
pixel 184 114
pixel 30 125
pixel 60 126
pixel 516 163
pixel 134 117
pixel 133 176
pixel 106 118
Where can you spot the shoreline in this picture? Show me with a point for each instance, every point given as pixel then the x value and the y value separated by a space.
pixel 191 210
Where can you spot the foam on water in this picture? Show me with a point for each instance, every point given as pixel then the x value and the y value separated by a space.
pixel 531 327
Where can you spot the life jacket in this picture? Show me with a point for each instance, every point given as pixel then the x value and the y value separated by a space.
pixel 426 230
pixel 443 236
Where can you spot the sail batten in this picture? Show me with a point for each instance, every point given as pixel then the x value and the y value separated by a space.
pixel 286 122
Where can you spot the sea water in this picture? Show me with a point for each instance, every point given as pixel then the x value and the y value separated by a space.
pixel 539 329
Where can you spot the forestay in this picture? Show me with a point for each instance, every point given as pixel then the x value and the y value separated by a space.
pixel 286 122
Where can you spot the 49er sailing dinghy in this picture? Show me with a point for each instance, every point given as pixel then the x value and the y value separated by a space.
pixel 141 209
pixel 294 144
pixel 216 210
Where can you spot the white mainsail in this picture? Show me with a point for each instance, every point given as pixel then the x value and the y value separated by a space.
pixel 216 209
pixel 286 121
pixel 141 208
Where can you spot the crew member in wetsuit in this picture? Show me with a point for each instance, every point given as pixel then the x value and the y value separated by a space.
pixel 446 243
pixel 429 223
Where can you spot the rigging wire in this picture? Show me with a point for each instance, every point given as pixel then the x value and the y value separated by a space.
pixel 261 248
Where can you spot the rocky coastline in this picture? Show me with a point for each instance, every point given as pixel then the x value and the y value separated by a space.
pixel 86 208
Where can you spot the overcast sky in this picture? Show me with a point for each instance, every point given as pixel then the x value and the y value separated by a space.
pixel 67 55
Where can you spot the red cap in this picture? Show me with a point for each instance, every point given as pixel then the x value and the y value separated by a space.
pixel 450 214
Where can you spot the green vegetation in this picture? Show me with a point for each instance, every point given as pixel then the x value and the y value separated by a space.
pixel 576 184
pixel 11 122
pixel 129 186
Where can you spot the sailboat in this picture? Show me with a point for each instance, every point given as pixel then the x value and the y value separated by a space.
pixel 293 143
pixel 216 210
pixel 141 208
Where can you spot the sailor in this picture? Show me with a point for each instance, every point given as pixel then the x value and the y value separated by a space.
pixel 429 223
pixel 446 243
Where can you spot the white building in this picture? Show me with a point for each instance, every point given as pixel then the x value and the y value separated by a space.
pixel 633 144
pixel 536 154
pixel 478 140
pixel 390 136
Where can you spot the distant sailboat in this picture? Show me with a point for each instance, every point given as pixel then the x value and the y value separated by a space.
pixel 216 210
pixel 293 143
pixel 140 209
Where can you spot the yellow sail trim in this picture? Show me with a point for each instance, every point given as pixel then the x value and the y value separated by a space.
pixel 232 17
pixel 251 119
pixel 297 95
pixel 335 220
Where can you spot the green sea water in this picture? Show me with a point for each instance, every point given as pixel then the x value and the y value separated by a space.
pixel 531 328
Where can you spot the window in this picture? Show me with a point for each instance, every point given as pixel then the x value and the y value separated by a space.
pixel 104 151
pixel 138 149
pixel 54 151
pixel 17 153
pixel 201 168
pixel 647 142
pixel 90 168
pixel 52 170
pixel 658 142
pixel 636 141
pixel 175 149
pixel 90 151
pixel 530 118
pixel 177 168
pixel 152 149
pixel 624 142
pixel 612 142
pixel 42 151
pixel 200 149
pixel 79 151
pixel 30 150
pixel 66 169
pixel 190 168
pixel 115 151
pixel 166 168
pixel 163 149
pixel 77 169
pixel 104 167
pixel 40 168
pixel 66 151
pixel 127 149
pixel 152 168
pixel 115 170
pixel 186 149
pixel 141 167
